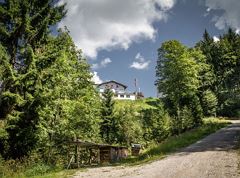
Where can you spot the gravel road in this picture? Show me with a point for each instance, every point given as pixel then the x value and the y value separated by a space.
pixel 211 157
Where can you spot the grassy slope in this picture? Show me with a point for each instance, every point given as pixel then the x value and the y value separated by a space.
pixel 138 104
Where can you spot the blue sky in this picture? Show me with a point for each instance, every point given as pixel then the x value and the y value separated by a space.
pixel 121 38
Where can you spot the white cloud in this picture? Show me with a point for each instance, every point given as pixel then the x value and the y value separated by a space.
pixel 95 78
pixel 106 24
pixel 230 15
pixel 140 63
pixel 102 64
pixel 215 39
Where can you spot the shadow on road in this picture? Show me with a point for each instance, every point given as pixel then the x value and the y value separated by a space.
pixel 224 140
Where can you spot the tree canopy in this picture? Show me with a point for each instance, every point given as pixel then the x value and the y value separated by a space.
pixel 47 96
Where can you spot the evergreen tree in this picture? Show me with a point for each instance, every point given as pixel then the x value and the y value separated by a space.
pixel 223 57
pixel 108 126
pixel 46 95
pixel 24 28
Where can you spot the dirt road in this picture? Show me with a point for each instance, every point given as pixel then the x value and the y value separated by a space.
pixel 211 157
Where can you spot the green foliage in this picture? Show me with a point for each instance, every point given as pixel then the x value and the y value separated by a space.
pixel 29 167
pixel 142 121
pixel 24 28
pixel 156 124
pixel 72 106
pixel 183 122
pixel 46 96
pixel 209 103
pixel 179 72
pixel 109 122
pixel 173 143
pixel 129 125
pixel 224 58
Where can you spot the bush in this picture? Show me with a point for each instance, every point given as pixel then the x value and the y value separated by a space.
pixel 156 124
pixel 209 103
pixel 38 169
pixel 230 107
pixel 184 121
pixel 128 126
pixel 25 167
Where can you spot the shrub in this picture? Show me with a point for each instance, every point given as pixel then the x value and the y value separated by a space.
pixel 128 126
pixel 184 121
pixel 209 103
pixel 156 124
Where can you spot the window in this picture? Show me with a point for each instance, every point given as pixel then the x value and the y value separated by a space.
pixel 121 96
pixel 128 96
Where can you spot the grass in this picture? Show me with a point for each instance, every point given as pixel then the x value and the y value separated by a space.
pixel 138 105
pixel 37 171
pixel 62 174
pixel 174 143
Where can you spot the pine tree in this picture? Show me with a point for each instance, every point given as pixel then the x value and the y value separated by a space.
pixel 108 121
pixel 223 58
pixel 24 29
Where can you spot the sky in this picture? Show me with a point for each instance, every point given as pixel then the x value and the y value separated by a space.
pixel 120 38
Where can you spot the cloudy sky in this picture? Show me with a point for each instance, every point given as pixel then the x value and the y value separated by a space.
pixel 120 38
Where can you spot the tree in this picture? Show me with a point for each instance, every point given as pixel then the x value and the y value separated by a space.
pixel 156 123
pixel 46 95
pixel 71 107
pixel 178 78
pixel 223 57
pixel 128 128
pixel 24 28
pixel 209 103
pixel 108 126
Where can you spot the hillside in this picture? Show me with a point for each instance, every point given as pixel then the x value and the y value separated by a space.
pixel 138 105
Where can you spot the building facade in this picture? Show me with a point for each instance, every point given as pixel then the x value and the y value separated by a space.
pixel 118 89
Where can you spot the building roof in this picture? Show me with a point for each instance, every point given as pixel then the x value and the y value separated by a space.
pixel 91 144
pixel 113 81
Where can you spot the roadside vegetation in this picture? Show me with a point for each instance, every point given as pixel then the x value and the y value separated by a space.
pixel 47 97
pixel 174 143
pixel 32 168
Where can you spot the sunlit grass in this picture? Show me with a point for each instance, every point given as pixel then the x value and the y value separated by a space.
pixel 61 174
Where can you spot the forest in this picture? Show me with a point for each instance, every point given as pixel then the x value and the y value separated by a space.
pixel 47 97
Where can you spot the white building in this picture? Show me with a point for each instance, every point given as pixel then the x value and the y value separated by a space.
pixel 118 89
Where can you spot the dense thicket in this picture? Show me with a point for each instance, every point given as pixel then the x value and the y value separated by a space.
pixel 224 58
pixel 180 73
pixel 143 121
pixel 46 96
pixel 198 81
pixel 24 28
